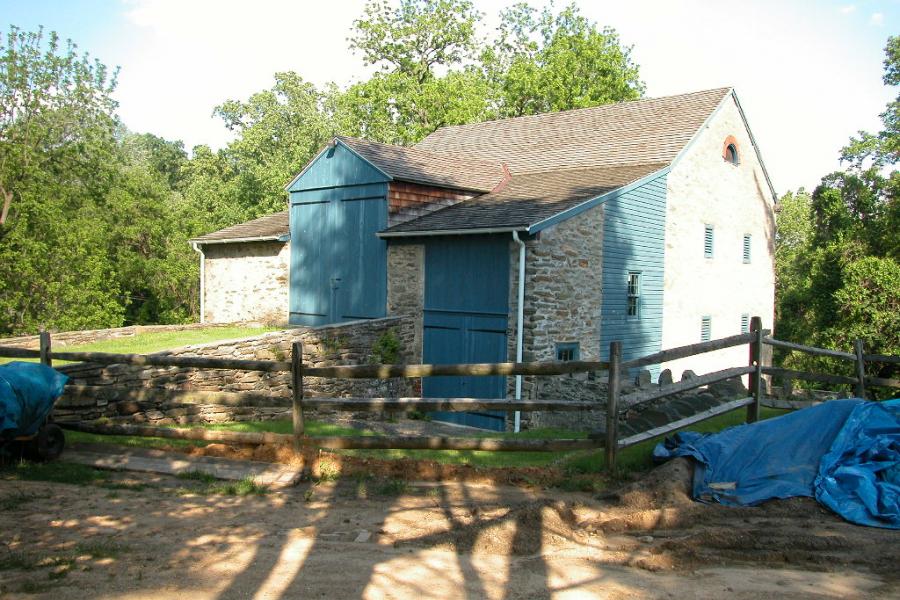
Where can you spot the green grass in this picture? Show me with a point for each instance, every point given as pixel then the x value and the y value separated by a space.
pixel 575 463
pixel 146 343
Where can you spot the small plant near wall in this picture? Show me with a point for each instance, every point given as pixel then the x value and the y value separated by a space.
pixel 331 345
pixel 386 349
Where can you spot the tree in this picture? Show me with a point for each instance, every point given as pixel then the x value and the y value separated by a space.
pixel 56 112
pixel 545 62
pixel 416 36
pixel 837 254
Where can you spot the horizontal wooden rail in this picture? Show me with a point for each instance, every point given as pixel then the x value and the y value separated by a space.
pixel 685 422
pixel 445 404
pixel 342 442
pixel 883 382
pixel 10 352
pixel 642 396
pixel 476 369
pixel 164 360
pixel 881 358
pixel 169 398
pixel 690 350
pixel 808 375
pixel 809 349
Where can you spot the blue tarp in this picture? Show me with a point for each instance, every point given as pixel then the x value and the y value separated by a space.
pixel 27 394
pixel 844 453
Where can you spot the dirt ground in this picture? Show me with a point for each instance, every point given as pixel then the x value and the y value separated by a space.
pixel 376 538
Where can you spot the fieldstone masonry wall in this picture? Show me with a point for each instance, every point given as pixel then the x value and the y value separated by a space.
pixel 347 343
pixel 246 281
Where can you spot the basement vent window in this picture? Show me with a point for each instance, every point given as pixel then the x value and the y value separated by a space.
pixel 634 294
pixel 706 329
pixel 566 351
pixel 745 323
pixel 708 242
pixel 747 244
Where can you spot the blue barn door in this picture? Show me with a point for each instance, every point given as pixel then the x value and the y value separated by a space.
pixel 338 263
pixel 465 320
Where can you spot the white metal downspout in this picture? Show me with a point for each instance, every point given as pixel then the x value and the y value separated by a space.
pixel 520 320
pixel 199 249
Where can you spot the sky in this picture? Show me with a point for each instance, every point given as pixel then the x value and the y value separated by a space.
pixel 808 73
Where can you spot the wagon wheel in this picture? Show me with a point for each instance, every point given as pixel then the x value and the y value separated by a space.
pixel 50 442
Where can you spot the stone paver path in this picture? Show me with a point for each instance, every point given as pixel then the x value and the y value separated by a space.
pixel 120 458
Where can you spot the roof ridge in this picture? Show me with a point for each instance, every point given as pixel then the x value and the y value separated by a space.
pixel 584 109
pixel 434 153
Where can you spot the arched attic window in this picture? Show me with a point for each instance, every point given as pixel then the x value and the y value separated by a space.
pixel 730 151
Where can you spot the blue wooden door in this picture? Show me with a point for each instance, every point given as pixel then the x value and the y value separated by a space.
pixel 338 263
pixel 465 321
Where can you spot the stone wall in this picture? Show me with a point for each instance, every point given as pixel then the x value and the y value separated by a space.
pixel 246 281
pixel 703 189
pixel 343 344
pixel 563 293
pixel 89 336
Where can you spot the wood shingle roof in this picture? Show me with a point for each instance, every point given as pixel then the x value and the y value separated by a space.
pixel 268 228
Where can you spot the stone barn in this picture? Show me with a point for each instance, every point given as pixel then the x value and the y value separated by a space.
pixel 244 272
pixel 542 237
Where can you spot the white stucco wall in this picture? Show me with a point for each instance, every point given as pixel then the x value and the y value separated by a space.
pixel 246 282
pixel 704 189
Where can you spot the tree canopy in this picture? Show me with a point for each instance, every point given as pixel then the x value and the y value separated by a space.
pixel 837 251
pixel 94 218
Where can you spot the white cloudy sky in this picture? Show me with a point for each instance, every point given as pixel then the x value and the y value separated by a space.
pixel 808 72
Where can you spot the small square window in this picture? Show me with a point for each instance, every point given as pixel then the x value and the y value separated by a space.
pixel 706 329
pixel 634 294
pixel 745 323
pixel 708 242
pixel 566 351
pixel 747 244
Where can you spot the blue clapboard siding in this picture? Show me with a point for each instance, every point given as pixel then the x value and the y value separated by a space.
pixel 466 312
pixel 338 263
pixel 634 241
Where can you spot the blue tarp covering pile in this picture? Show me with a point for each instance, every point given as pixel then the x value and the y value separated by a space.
pixel 27 394
pixel 844 453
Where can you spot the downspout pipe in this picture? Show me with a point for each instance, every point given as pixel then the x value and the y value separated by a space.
pixel 199 249
pixel 520 323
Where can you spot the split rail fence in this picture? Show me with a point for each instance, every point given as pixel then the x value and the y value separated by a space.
pixel 615 404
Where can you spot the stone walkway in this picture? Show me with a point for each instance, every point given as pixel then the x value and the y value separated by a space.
pixel 120 458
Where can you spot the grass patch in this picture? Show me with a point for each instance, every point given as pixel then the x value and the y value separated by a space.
pixel 55 472
pixel 131 441
pixel 149 342
pixel 197 476
pixel 244 487
pixel 14 560
pixel 100 549
pixel 392 487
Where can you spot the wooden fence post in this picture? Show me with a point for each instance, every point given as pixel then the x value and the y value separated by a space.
pixel 756 380
pixel 612 404
pixel 860 370
pixel 45 349
pixel 297 393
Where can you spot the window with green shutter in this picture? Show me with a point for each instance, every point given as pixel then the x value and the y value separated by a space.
pixel 745 323
pixel 706 329
pixel 747 243
pixel 708 242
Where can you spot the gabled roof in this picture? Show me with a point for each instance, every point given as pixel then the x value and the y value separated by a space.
pixel 613 135
pixel 418 165
pixel 273 227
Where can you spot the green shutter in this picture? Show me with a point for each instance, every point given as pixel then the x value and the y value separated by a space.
pixel 706 329
pixel 747 240
pixel 708 242
pixel 745 323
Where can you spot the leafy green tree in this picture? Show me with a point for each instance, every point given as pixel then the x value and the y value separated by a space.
pixel 417 36
pixel 544 62
pixel 56 114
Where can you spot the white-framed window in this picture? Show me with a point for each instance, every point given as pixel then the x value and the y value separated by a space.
pixel 634 294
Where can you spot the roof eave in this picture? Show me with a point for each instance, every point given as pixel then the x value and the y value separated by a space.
pixel 260 238
pixel 592 202
pixel 436 232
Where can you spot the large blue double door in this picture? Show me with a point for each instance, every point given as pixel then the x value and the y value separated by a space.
pixel 465 320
